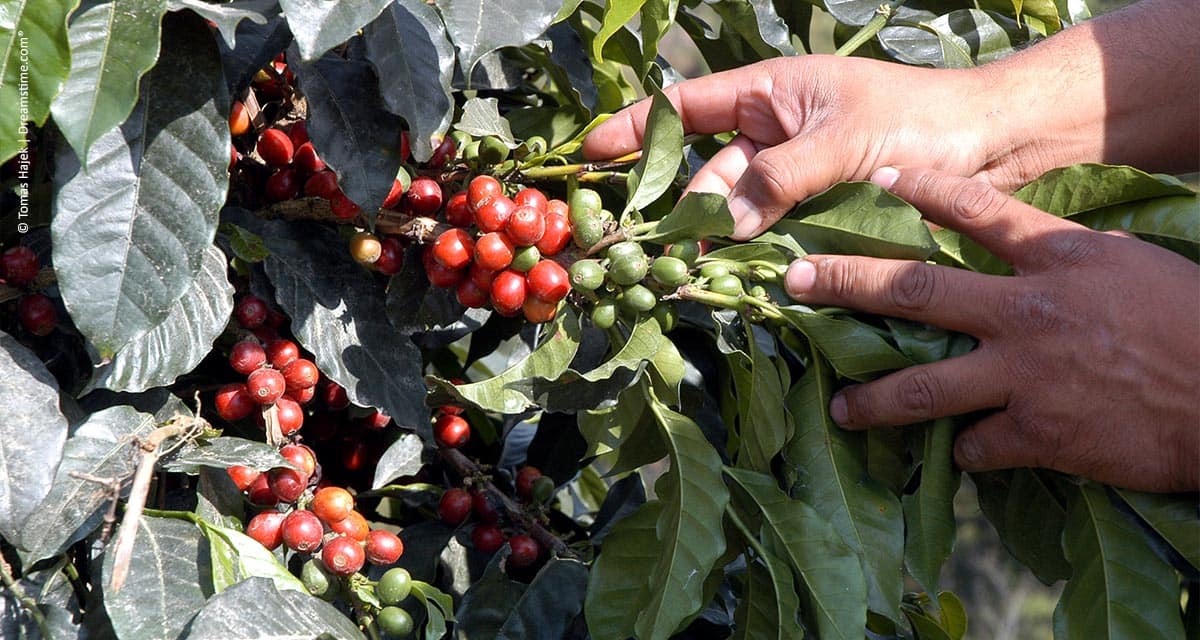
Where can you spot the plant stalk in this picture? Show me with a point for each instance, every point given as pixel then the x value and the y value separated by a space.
pixel 869 30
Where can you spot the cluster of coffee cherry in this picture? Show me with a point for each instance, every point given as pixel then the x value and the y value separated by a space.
pixel 458 504
pixel 36 311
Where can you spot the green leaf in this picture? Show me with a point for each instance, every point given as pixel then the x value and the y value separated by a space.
pixel 929 523
pixel 763 423
pixel 177 344
pixel 617 13
pixel 32 434
pixel 623 436
pixel 1118 587
pixel 697 215
pixel 1007 498
pixel 1174 517
pixel 481 117
pixel 662 151
pixel 111 48
pixel 959 39
pixel 620 577
pixel 549 606
pixel 834 588
pixel 275 615
pixel 859 218
pixel 657 16
pixel 1083 187
pixel 851 12
pixel 222 453
pixel 320 25
pixel 1162 219
pixel 855 350
pixel 828 466
pixel 769 602
pixel 414 60
pixel 167 582
pixel 402 458
pixel 55 597
pixel 489 601
pixel 102 447
pixel 236 556
pixel 689 527
pixel 227 16
pixel 246 246
pixel 33 36
pixel 548 361
pixel 439 608
pixel 478 27
pixel 130 232
pixel 758 24
pixel 925 627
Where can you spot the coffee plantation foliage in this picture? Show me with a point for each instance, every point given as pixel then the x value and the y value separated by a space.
pixel 235 360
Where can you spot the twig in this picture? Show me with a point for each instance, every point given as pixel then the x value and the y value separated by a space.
pixel 27 603
pixel 882 14
pixel 418 229
pixel 114 487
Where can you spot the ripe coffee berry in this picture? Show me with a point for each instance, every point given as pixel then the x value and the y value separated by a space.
pixel 332 504
pixel 383 547
pixel 548 281
pixel 322 185
pixel 19 266
pixel 37 314
pixel 557 207
pixel 334 397
pixel 493 251
pixel 482 190
pixel 405 148
pixel 525 551
pixel 251 312
pixel 444 153
pixel 275 147
pixel 300 374
pixel 493 214
pixel 525 226
pixel 376 420
pixel 266 386
pixel 454 506
pixel 440 275
pixel 233 402
pixel 537 310
pixel 281 353
pixel 353 526
pixel 394 195
pixel 307 160
pixel 530 197
pixel 289 415
pixel 458 210
pixel 557 235
pixel 470 295
pixel 424 196
pixel 282 185
pixel 260 492
pixel 524 482
pixel 453 249
pixel 354 454
pixel 481 276
pixel 508 293
pixel 267 529
pixel 484 507
pixel 302 531
pixel 391 257
pixel 298 133
pixel 343 207
pixel 246 356
pixel 301 457
pixel 451 431
pixel 343 556
pixel 487 538
pixel 286 484
pixel 242 477
pixel 239 120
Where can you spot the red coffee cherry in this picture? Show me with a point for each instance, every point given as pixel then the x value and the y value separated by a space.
pixel 287 484
pixel 334 396
pixel 548 281
pixel 267 529
pixel 405 148
pixel 424 196
pixel 530 197
pixel 454 506
pixel 391 256
pixel 243 477
pixel 480 275
pixel 557 235
pixel 493 251
pixel 300 374
pixel 538 311
pixel 301 396
pixel 353 526
pixel 487 538
pixel 392 200
pixel 484 507
pixel 332 504
pixel 289 414
pixel 343 556
pixel 302 531
pixel 239 120
pixel 451 431
pixel 281 353
pixel 266 386
pixel 355 454
pixel 508 292
pixel 376 420
pixel 298 133
pixel 525 551
pixel 246 356
pixel 557 207
pixel 260 492
pixel 251 312
pixel 525 226
pixel 443 154
pixel 322 185
pixel 275 147
pixel 481 190
pixel 458 210
pixel 37 313
pixel 525 478
pixel 19 266
pixel 343 207
pixel 300 457
pixel 383 547
pixel 440 275
pixel 282 185
pixel 470 295
pixel 454 249
pixel 493 214
pixel 307 160
pixel 233 402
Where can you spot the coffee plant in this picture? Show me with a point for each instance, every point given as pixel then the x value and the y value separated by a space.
pixel 317 324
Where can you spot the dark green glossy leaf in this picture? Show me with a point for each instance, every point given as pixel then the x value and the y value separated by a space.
pixel 236 556
pixel 257 44
pixel 55 598
pixel 923 343
pixel 924 626
pixel 763 423
pixel 758 24
pixel 827 465
pixel 929 523
pixel 490 600
pixel 1167 218
pixel 620 577
pixel 854 349
pixel 32 433
pixel 439 608
pixel 1118 587
pixel 111 48
pixel 36 49
pixel 131 231
pixel 481 117
pixel 1040 15
pixel 1175 517
pixel 275 615
pixel 478 27
pixel 745 252
pixel 549 606
pixel 769 603
pixel 402 458
pixel 657 16
pixel 177 344
pixel 320 25
pixel 1007 498
pixel 221 453
pixel 859 218
pixel 414 60
pixel 570 67
pixel 228 15
pixel 697 215
pixel 623 436
pixel 851 12
pixel 246 246
pixel 1083 187
pixel 662 151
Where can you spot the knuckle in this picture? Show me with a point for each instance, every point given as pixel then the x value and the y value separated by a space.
pixel 913 287
pixel 771 171
pixel 917 395
pixel 926 187
pixel 1034 311
pixel 976 200
pixel 970 451
pixel 838 277
pixel 1070 249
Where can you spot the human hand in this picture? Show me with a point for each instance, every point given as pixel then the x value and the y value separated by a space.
pixel 1090 352
pixel 807 122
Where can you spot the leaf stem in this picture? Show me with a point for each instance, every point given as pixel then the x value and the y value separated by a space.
pixel 27 603
pixel 882 14
pixel 750 537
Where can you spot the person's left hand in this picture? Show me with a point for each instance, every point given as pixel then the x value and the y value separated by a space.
pixel 1090 352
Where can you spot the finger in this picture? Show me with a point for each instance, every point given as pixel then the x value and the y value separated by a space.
pixel 735 99
pixel 1012 230
pixel 955 299
pixel 719 174
pixel 948 387
pixel 995 442
pixel 781 176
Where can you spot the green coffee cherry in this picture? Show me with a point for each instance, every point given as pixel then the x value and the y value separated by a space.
pixel 667 316
pixel 669 271
pixel 586 275
pixel 470 153
pixel 714 270
pixel 760 292
pixel 587 232
pixel 584 204
pixel 395 622
pixel 524 258
pixel 492 151
pixel 636 299
pixel 394 586
pixel 686 250
pixel 318 581
pixel 542 489
pixel 461 139
pixel 627 269
pixel 729 285
pixel 625 249
pixel 604 314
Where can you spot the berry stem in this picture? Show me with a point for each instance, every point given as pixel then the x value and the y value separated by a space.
pixel 882 14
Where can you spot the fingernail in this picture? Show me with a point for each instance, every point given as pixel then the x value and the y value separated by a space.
pixel 885 176
pixel 745 215
pixel 837 409
pixel 800 277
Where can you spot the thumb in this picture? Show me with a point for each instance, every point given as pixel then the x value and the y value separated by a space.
pixel 995 442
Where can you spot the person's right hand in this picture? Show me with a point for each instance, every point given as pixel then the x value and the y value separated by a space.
pixel 807 122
